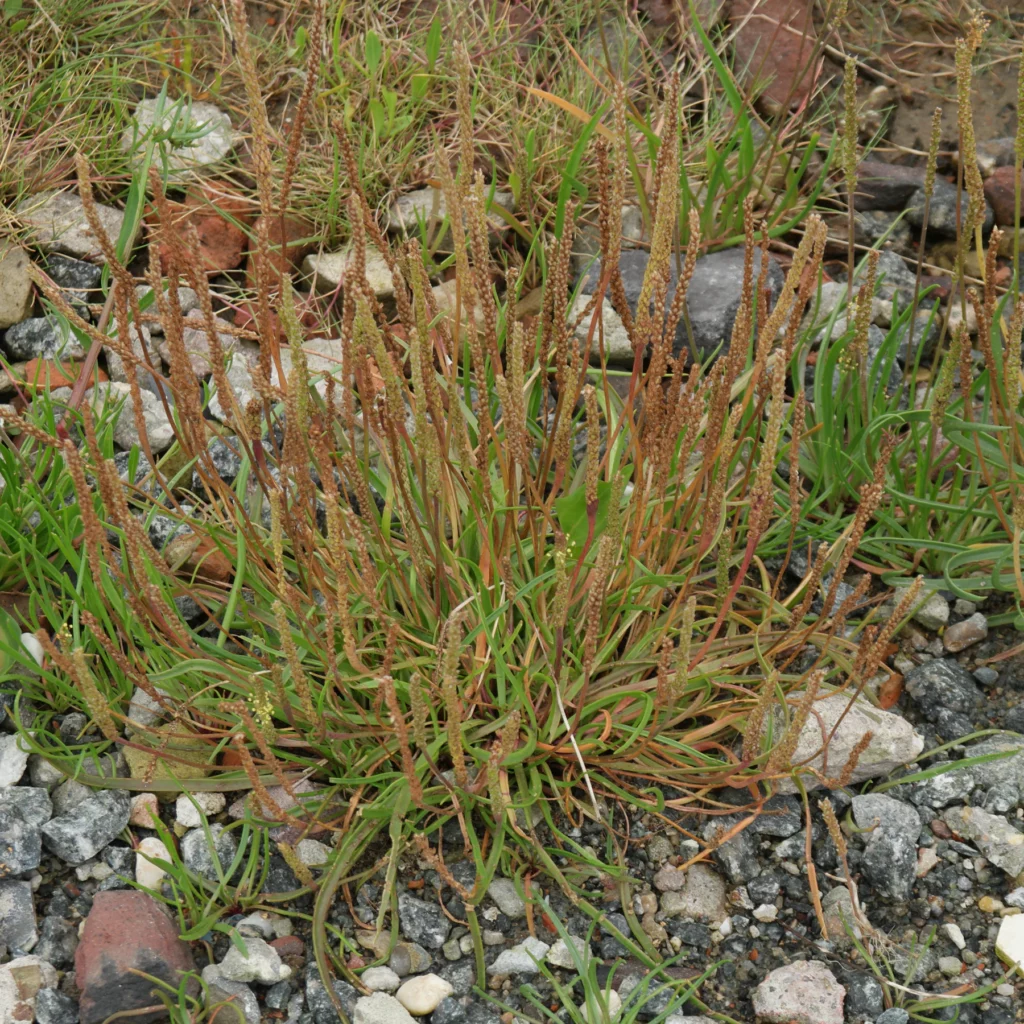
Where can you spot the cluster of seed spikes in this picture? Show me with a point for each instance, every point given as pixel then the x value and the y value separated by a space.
pixel 455 601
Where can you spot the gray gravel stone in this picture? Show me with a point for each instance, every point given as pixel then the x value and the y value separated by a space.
pixel 58 223
pixel 30 803
pixel 894 741
pixel 54 1007
pixel 319 1001
pixel 560 955
pixel 240 1003
pixel 737 856
pixel 260 962
pixel 20 842
pixel 890 864
pixel 57 943
pixel 41 337
pixel 933 613
pixel 864 1000
pixel 17 917
pixel 423 922
pixel 885 186
pixel 510 903
pixel 942 214
pixel 198 855
pixel 994 836
pixel 701 899
pixel 896 1015
pixel 712 299
pixel 223 459
pixel 942 683
pixel 83 830
pixel 408 958
pixel 213 135
pixel 893 816
pixel 521 959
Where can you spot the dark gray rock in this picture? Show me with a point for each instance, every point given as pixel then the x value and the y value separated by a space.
pixel 1014 719
pixel 942 683
pixel 21 845
pixel 77 279
pixel 1003 797
pixel 951 725
pixel 896 1015
pixel 224 460
pixel 891 815
pixel 320 1004
pixel 871 225
pixel 737 856
pixel 17 917
pixel 449 1011
pixel 942 214
pixel 781 816
pixel 165 528
pixel 142 466
pixel 461 976
pixel 198 853
pixel 712 299
pixel 86 828
pixel 57 943
pixel 927 328
pixel 53 1007
pixel 882 186
pixel 765 887
pixel 280 877
pixel 864 1000
pixel 279 995
pixel 893 277
pixel 41 337
pixel 73 726
pixel 690 933
pixel 31 803
pixel 70 273
pixel 423 922
pixel 478 1013
pixel 890 864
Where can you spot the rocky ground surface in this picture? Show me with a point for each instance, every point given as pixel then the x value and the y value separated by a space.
pixel 938 866
pixel 938 863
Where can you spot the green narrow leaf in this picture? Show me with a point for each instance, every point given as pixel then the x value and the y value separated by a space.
pixel 433 45
pixel 373 50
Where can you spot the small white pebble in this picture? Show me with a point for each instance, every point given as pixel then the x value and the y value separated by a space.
pixel 190 815
pixel 611 1010
pixel 955 935
pixel 725 928
pixel 1004 990
pixel 754 932
pixel 34 647
pixel 380 979
pixel 147 873
pixel 423 994
pixel 313 853
pixel 766 913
